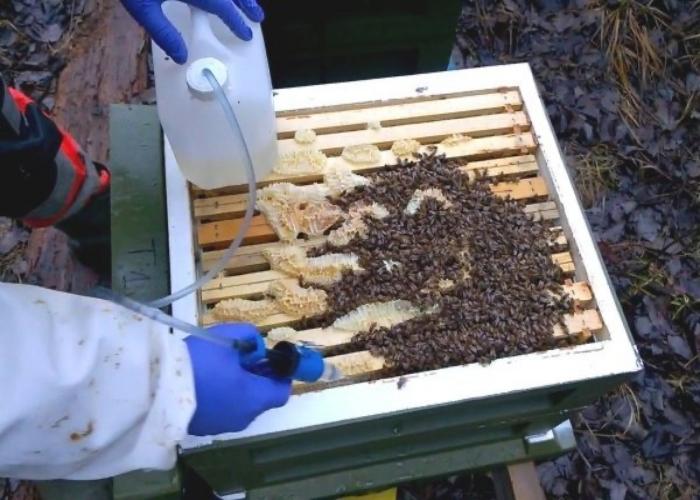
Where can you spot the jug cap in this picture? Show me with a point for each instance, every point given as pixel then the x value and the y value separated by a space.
pixel 196 80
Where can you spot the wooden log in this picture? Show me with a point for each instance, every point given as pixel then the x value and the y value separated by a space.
pixel 107 64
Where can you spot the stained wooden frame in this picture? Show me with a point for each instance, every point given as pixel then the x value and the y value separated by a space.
pixel 519 142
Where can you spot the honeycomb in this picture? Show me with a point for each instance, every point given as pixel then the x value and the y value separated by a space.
pixel 305 162
pixel 304 136
pixel 322 270
pixel 340 178
pixel 378 314
pixel 362 153
pixel 421 194
pixel 295 300
pixel 281 333
pixel 405 147
pixel 455 140
pixel 292 210
pixel 244 310
pixel 354 225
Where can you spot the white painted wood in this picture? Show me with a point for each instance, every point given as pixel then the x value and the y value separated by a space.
pixel 581 236
pixel 604 358
pixel 180 239
pixel 400 87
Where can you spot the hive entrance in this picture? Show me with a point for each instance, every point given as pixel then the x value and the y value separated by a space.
pixel 463 248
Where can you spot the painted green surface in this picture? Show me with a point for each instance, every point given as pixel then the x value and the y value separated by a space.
pixel 139 229
pixel 139 244
pixel 152 485
pixel 295 462
pixel 309 43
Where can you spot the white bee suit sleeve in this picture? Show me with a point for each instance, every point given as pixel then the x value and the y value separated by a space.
pixel 87 389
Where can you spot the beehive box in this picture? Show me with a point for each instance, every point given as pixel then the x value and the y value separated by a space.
pixel 511 142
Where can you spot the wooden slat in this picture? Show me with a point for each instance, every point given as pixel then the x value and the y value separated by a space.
pixel 477 148
pixel 222 232
pixel 579 292
pixel 475 126
pixel 272 321
pixel 364 363
pixel 225 290
pixel 524 482
pixel 249 258
pixel 351 365
pixel 588 320
pixel 565 261
pixel 256 283
pixel 522 189
pixel 396 114
pixel 234 205
pixel 305 106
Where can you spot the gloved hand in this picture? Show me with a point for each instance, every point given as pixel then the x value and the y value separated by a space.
pixel 229 398
pixel 44 175
pixel 28 172
pixel 148 13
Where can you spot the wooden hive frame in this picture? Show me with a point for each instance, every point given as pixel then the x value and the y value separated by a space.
pixel 511 138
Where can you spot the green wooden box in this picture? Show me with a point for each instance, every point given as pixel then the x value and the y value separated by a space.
pixel 310 41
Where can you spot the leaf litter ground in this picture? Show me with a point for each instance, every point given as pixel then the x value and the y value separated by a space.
pixel 621 82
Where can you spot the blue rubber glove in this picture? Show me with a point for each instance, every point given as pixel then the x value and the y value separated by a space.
pixel 229 398
pixel 148 13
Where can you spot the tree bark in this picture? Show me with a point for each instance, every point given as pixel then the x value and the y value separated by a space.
pixel 107 63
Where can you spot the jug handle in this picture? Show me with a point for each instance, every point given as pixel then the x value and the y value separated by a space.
pixel 202 32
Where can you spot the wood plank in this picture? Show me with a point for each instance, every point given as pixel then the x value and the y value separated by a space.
pixel 524 482
pixel 272 321
pixel 575 323
pixel 351 365
pixel 106 63
pixel 249 258
pixel 588 320
pixel 221 232
pixel 500 162
pixel 522 189
pixel 365 94
pixel 256 283
pixel 476 149
pixel 227 291
pixel 234 205
pixel 363 363
pixel 475 126
pixel 396 114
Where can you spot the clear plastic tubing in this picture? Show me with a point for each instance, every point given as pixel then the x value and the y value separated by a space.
pixel 250 208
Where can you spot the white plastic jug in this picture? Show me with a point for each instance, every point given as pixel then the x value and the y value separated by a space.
pixel 206 149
